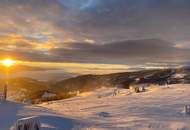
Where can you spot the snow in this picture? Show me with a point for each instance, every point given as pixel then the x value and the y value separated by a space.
pixel 11 112
pixel 179 75
pixel 158 108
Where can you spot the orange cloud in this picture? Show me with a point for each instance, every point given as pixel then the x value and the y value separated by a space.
pixel 91 41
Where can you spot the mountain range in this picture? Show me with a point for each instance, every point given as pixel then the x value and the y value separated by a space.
pixel 27 88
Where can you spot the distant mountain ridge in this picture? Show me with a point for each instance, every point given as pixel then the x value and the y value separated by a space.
pixel 34 89
pixel 124 80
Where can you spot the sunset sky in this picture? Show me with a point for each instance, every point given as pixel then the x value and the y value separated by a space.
pixel 97 33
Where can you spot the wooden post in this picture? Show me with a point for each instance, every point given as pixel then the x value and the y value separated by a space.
pixel 187 109
pixel 5 92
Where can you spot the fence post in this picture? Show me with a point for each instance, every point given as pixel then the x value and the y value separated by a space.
pixel 187 109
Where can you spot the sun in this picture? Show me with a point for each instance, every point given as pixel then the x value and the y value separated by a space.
pixel 8 62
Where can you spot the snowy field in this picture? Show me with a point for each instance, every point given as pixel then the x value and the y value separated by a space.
pixel 159 108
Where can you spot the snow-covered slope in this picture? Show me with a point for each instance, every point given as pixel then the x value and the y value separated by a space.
pixel 50 120
pixel 159 108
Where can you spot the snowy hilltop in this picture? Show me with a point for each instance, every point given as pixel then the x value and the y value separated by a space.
pixel 157 108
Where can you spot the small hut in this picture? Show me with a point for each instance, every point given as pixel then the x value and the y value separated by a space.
pixel 137 88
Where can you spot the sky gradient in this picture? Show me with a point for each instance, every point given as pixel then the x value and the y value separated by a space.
pixel 123 32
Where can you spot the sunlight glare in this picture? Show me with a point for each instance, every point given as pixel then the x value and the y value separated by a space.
pixel 8 62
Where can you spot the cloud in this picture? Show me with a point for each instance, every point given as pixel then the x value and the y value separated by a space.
pixel 121 52
pixel 103 22
pixel 183 45
pixel 78 31
pixel 126 52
